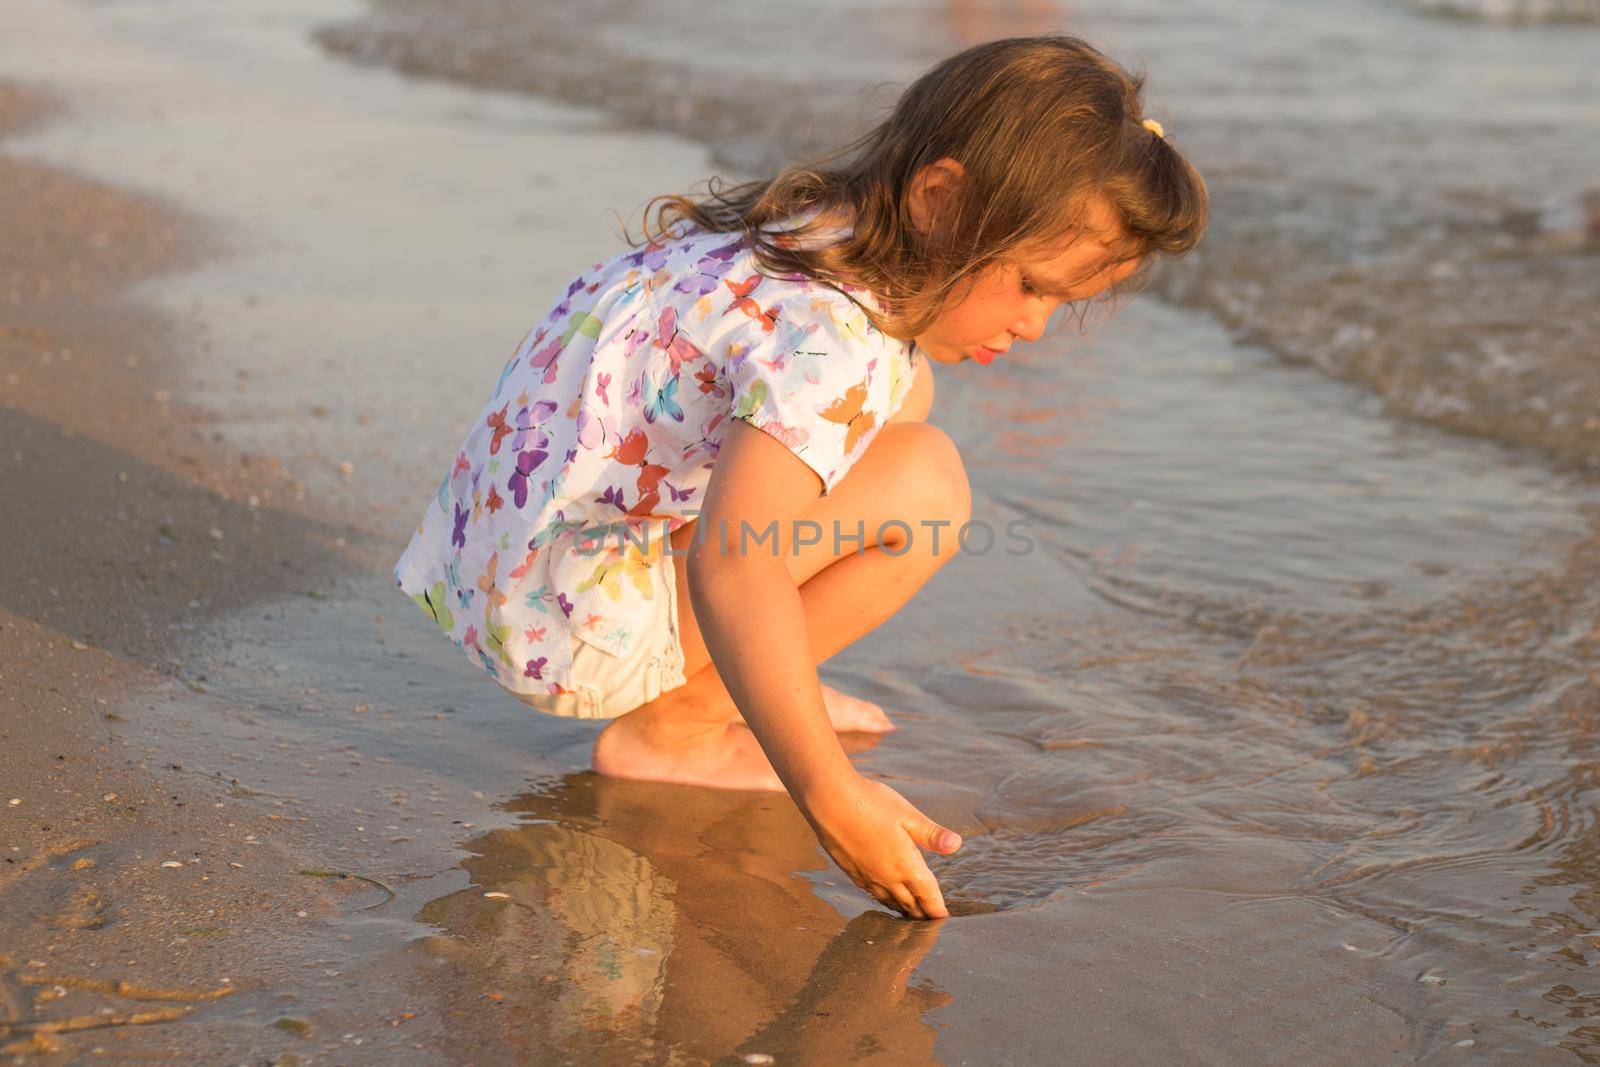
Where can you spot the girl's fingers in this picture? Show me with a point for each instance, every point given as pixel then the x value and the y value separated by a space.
pixel 930 900
pixel 905 901
pixel 885 897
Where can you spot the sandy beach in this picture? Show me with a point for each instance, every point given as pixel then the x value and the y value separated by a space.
pixel 1278 748
pixel 132 884
pixel 149 873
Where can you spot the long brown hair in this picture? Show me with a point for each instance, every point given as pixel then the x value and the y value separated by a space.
pixel 1039 125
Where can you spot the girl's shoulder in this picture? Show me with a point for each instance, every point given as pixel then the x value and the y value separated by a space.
pixel 693 259
pixel 717 289
pixel 682 247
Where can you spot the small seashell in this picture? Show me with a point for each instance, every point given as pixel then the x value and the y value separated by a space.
pixel 497 895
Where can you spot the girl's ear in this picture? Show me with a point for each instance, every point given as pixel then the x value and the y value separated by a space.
pixel 932 190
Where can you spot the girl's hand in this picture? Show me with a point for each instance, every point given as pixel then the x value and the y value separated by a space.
pixel 874 834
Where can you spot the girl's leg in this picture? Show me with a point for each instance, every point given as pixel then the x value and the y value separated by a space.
pixel 912 473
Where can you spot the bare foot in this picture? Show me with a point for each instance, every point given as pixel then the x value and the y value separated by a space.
pixel 723 756
pixel 850 713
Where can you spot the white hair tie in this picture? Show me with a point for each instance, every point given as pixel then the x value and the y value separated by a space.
pixel 1154 127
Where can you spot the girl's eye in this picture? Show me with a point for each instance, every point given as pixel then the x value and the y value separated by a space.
pixel 1028 287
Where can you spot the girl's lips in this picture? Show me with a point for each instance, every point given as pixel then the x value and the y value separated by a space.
pixel 985 356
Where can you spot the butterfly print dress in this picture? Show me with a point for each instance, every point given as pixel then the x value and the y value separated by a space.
pixel 600 436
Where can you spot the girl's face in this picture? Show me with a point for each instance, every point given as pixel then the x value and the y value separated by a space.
pixel 1013 300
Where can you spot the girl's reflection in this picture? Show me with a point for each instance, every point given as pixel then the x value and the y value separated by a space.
pixel 673 922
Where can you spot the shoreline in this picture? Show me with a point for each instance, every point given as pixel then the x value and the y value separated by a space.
pixel 1177 822
pixel 1505 367
pixel 165 888
pixel 173 722
pixel 128 529
pixel 177 747
pixel 169 687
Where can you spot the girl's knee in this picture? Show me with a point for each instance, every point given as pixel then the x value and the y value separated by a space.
pixel 930 481
pixel 939 478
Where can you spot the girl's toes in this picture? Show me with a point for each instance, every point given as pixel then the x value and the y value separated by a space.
pixel 852 714
pixel 875 720
pixel 881 723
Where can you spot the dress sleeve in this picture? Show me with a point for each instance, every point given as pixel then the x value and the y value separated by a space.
pixel 813 373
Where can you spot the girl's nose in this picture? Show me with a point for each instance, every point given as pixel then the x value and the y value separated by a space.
pixel 1030 327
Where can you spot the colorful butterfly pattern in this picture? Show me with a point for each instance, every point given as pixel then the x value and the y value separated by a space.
pixel 602 433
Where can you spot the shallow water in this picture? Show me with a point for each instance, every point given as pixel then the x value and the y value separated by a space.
pixel 1439 167
pixel 1288 714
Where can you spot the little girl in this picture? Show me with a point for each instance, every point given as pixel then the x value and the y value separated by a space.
pixel 708 468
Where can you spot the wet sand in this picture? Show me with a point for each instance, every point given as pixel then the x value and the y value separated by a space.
pixel 1145 878
pixel 134 884
pixel 106 537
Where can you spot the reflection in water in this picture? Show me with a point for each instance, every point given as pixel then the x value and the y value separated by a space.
pixel 658 922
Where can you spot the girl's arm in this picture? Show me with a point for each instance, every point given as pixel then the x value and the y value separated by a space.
pixel 752 619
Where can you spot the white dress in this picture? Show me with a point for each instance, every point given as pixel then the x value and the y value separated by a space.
pixel 606 423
